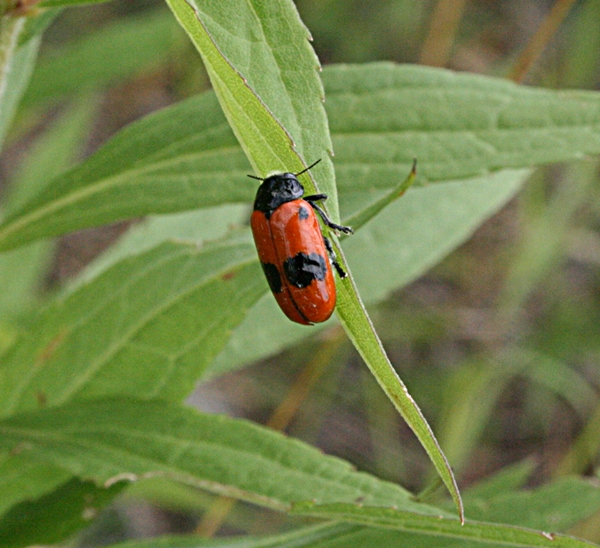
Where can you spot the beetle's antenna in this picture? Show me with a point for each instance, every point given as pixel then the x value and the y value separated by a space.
pixel 309 167
pixel 257 178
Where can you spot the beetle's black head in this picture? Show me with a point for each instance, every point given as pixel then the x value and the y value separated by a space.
pixel 277 190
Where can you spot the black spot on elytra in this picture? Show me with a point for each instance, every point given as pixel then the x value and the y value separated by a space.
pixel 302 213
pixel 302 269
pixel 273 277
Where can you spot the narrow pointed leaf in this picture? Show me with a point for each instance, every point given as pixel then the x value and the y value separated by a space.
pixel 366 214
pixel 490 533
pixel 359 328
pixel 265 75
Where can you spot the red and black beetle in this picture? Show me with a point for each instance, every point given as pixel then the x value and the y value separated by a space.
pixel 292 250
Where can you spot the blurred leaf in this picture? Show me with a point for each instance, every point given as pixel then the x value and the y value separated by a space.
pixel 322 535
pixel 506 480
pixel 146 327
pixel 583 43
pixel 25 479
pixel 543 245
pixel 315 535
pixel 55 515
pixel 108 440
pixel 130 46
pixel 562 379
pixel 21 269
pixel 584 450
pixel 16 65
pixel 457 125
pixel 176 159
pixel 470 396
pixel 491 534
pixel 557 506
pixel 57 148
pixel 53 3
pixel 36 23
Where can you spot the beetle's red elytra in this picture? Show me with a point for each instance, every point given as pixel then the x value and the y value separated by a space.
pixel 295 256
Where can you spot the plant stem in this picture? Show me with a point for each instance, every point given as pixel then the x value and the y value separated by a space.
pixel 10 29
pixel 540 39
pixel 442 30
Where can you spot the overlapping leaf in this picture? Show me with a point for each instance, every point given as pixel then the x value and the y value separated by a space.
pixel 108 440
pixel 186 156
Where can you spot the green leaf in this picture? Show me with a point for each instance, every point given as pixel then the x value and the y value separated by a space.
pixel 492 534
pixel 25 479
pixel 322 535
pixel 36 23
pixel 456 124
pixel 506 480
pixel 361 332
pixel 16 65
pixel 57 148
pixel 557 506
pixel 55 515
pixel 130 46
pixel 66 3
pixel 366 214
pixel 21 269
pixel 177 159
pixel 200 226
pixel 147 327
pixel 166 162
pixel 109 440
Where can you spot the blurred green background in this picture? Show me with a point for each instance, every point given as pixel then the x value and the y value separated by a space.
pixel 499 344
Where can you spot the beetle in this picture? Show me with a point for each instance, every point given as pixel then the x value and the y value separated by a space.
pixel 295 256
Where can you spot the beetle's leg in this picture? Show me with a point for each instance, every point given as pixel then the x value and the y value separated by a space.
pixel 328 222
pixel 333 258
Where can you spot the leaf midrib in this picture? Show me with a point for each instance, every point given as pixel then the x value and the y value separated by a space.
pixel 82 440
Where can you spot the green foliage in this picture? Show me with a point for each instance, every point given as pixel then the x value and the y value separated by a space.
pixel 97 60
pixel 93 376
